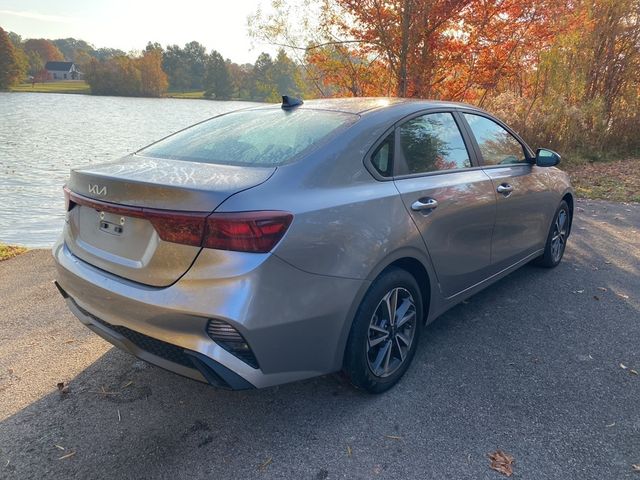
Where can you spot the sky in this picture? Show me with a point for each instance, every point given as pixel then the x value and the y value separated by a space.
pixel 130 24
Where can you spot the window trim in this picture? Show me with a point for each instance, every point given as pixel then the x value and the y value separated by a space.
pixel 529 155
pixel 475 165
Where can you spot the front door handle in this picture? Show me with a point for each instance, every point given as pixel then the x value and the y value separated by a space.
pixel 424 204
pixel 505 189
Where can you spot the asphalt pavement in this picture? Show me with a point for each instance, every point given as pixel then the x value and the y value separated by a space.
pixel 542 365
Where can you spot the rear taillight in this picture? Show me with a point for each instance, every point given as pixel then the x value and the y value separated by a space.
pixel 246 231
pixel 257 232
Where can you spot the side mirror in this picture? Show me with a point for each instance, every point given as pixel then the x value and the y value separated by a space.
pixel 547 158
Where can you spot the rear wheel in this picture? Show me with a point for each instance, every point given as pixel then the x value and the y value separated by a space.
pixel 557 238
pixel 384 334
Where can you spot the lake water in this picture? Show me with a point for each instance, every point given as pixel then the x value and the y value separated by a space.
pixel 43 135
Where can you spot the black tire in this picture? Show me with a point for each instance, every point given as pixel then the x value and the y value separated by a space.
pixel 361 358
pixel 552 256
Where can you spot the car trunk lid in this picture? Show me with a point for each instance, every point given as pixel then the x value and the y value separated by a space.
pixel 118 211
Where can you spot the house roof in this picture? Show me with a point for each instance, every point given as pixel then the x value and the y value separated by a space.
pixel 59 66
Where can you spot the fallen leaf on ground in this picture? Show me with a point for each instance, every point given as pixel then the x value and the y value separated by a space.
pixel 635 467
pixel 501 462
pixel 62 388
pixel 266 463
pixel 633 372
pixel 67 456
pixel 348 451
pixel 622 295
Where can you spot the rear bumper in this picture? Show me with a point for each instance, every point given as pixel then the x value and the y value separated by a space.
pixel 296 323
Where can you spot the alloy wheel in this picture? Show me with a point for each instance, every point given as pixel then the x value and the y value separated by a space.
pixel 391 332
pixel 559 236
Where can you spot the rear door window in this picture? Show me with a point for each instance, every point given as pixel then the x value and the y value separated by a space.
pixel 432 142
pixel 252 137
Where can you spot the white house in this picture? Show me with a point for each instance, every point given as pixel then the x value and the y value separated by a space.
pixel 62 71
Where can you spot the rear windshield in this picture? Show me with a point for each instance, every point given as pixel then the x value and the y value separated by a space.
pixel 251 137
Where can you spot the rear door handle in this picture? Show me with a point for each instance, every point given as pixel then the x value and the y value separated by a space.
pixel 505 189
pixel 424 204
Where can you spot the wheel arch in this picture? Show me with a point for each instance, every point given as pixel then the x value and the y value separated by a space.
pixel 568 197
pixel 415 262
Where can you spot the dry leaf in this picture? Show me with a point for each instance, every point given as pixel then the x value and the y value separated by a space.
pixel 62 388
pixel 348 451
pixel 67 455
pixel 633 372
pixel 623 366
pixel 501 462
pixel 266 463
pixel 636 467
pixel 622 295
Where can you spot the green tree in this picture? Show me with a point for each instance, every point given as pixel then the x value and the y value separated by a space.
pixel 35 63
pixel 15 39
pixel 286 76
pixel 262 86
pixel 217 81
pixel 185 67
pixel 70 47
pixel 10 69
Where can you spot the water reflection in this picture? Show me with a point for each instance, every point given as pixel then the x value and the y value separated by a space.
pixel 43 135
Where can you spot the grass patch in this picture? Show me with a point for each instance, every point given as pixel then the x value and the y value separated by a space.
pixel 616 181
pixel 10 251
pixel 196 95
pixel 69 86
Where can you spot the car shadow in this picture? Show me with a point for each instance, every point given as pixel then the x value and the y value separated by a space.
pixel 526 365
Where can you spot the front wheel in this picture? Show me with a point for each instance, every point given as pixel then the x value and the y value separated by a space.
pixel 557 238
pixel 385 331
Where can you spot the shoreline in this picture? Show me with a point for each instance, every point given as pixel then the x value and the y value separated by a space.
pixel 78 87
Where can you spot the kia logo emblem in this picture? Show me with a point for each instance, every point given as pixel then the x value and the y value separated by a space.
pixel 100 190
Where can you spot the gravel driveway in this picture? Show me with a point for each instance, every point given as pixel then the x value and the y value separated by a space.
pixel 540 365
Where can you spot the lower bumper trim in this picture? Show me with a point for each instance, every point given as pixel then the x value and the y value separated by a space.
pixel 215 373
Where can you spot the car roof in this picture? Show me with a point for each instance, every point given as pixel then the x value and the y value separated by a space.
pixel 362 105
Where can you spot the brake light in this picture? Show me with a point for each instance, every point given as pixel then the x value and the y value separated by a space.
pixel 177 227
pixel 246 231
pixel 256 232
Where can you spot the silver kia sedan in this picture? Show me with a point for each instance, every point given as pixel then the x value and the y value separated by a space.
pixel 278 243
